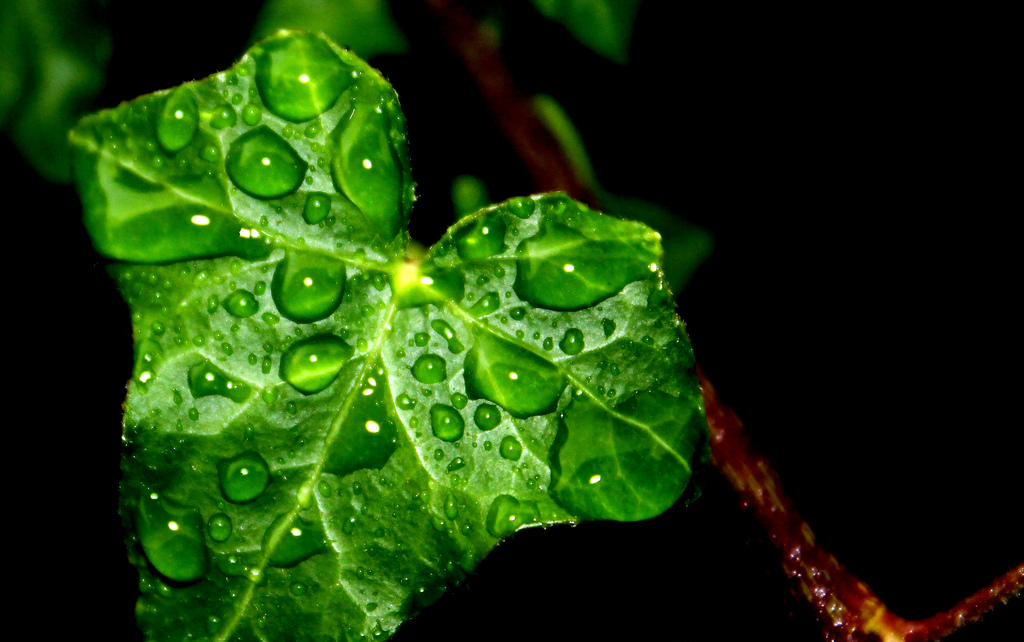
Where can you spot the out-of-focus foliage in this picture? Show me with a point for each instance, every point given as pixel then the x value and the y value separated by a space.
pixel 603 25
pixel 365 26
pixel 53 54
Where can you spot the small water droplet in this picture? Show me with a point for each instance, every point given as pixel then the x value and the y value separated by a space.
pixel 243 477
pixel 444 329
pixel 312 364
pixel 252 114
pixel 178 121
pixel 241 303
pixel 482 238
pixel 308 287
pixel 297 540
pixel 608 326
pixel 318 206
pixel 510 448
pixel 487 304
pixel 205 379
pixel 223 116
pixel 572 342
pixel 405 402
pixel 487 417
pixel 219 527
pixel 298 589
pixel 459 400
pixel 172 537
pixel 446 422
pixel 263 165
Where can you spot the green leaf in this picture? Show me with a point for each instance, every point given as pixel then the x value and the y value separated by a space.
pixel 323 434
pixel 53 55
pixel 365 26
pixel 603 25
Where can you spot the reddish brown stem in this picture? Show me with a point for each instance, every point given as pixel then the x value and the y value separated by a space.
pixel 511 109
pixel 847 607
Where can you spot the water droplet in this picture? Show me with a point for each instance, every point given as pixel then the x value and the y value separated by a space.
pixel 487 304
pixel 368 435
pixel 243 477
pixel 371 607
pixel 308 287
pixel 459 400
pixel 421 339
pixel 318 206
pixel 521 207
pixel 507 513
pixel 561 268
pixel 298 589
pixel 451 507
pixel 241 303
pixel 172 537
pixel 572 342
pixel 487 417
pixel 312 364
pixel 219 527
pixel 405 402
pixel 522 382
pixel 455 464
pixel 510 448
pixel 263 165
pixel 299 76
pixel 260 288
pixel 296 541
pixel 443 328
pixel 517 313
pixel 609 327
pixel 205 379
pixel 178 121
pixel 482 238
pixel 430 368
pixel 252 114
pixel 446 422
pixel 223 116
pixel 365 165
pixel 549 343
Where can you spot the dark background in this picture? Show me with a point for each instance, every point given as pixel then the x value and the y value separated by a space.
pixel 857 312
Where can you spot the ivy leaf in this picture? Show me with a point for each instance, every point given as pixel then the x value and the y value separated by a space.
pixel 322 435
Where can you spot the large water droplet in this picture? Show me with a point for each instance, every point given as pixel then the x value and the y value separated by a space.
pixel 299 76
pixel 178 121
pixel 308 287
pixel 205 379
pixel 365 165
pixel 263 165
pixel 172 537
pixel 241 303
pixel 482 238
pixel 487 417
pixel 487 304
pixel 517 379
pixel 219 527
pixel 560 268
pixel 297 540
pixel 430 368
pixel 368 436
pixel 572 342
pixel 507 513
pixel 444 329
pixel 446 422
pixel 313 364
pixel 243 477
pixel 318 206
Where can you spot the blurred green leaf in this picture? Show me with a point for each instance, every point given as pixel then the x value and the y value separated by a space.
pixel 603 25
pixel 53 56
pixel 469 194
pixel 365 26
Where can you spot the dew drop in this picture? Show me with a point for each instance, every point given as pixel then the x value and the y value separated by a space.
pixel 444 329
pixel 178 121
pixel 312 364
pixel 608 326
pixel 241 303
pixel 507 513
pixel 459 400
pixel 172 537
pixel 219 527
pixel 487 304
pixel 405 402
pixel 517 379
pixel 206 379
pixel 252 114
pixel 297 541
pixel 482 238
pixel 263 165
pixel 572 342
pixel 487 417
pixel 510 448
pixel 223 116
pixel 446 422
pixel 430 368
pixel 318 206
pixel 299 76
pixel 308 287
pixel 243 477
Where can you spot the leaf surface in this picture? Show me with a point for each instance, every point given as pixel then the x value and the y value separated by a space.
pixel 321 436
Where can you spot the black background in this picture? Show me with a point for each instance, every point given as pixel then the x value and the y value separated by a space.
pixel 860 173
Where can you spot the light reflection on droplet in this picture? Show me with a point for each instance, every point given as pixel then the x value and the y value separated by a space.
pixel 568 267
pixel 372 426
pixel 595 478
pixel 199 219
